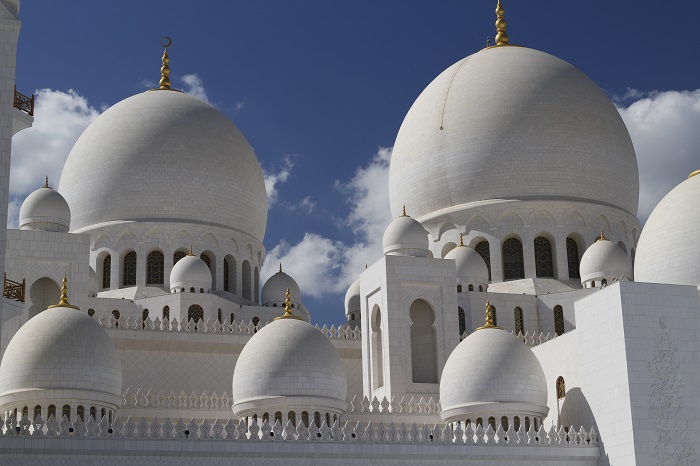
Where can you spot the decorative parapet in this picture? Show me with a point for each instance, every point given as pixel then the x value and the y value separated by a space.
pixel 405 406
pixel 173 400
pixel 14 290
pixel 534 339
pixel 24 103
pixel 192 430
pixel 344 332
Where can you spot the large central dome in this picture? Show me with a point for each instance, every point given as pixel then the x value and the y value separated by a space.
pixel 166 156
pixel 511 123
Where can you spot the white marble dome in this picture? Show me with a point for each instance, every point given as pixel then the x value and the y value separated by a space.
pixel 668 250
pixel 604 260
pixel 471 268
pixel 353 303
pixel 405 236
pixel 61 356
pixel 511 123
pixel 44 209
pixel 165 156
pixel 190 272
pixel 275 288
pixel 478 379
pixel 289 365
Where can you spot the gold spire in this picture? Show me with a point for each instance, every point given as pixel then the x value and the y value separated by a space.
pixel 280 268
pixel 165 69
pixel 489 317
pixel 404 212
pixel 461 240
pixel 46 183
pixel 190 253
pixel 602 235
pixel 63 302
pixel 696 172
pixel 501 36
pixel 287 309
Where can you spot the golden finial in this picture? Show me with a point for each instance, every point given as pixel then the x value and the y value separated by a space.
pixel 461 240
pixel 280 268
pixel 63 302
pixel 287 309
pixel 696 172
pixel 190 253
pixel 165 69
pixel 501 36
pixel 489 317
pixel 602 235
pixel 404 212
pixel 46 183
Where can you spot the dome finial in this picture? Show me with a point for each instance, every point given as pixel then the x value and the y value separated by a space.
pixel 461 240
pixel 489 317
pixel 696 172
pixel 190 253
pixel 602 235
pixel 165 69
pixel 280 268
pixel 404 211
pixel 501 36
pixel 46 183
pixel 63 302
pixel 287 308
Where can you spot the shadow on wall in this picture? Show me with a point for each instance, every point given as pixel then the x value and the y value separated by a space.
pixel 574 410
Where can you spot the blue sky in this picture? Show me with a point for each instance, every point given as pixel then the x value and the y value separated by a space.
pixel 320 87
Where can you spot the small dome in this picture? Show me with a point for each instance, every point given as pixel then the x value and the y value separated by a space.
pixel 668 248
pixel 478 379
pixel 61 356
pixel 44 209
pixel 190 271
pixel 93 282
pixel 604 260
pixel 289 364
pixel 352 298
pixel 405 237
pixel 274 289
pixel 471 268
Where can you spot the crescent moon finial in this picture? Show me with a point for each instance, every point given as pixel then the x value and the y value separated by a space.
pixel 165 69
pixel 166 42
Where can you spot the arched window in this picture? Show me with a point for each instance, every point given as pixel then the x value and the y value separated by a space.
pixel 256 284
pixel 558 320
pixel 65 411
pixel 93 412
pixel 292 417
pixel 513 265
pixel 116 315
pixel 233 317
pixel 305 418
pixel 201 290
pixel 130 269
pixel 479 422
pixel 51 412
pixel 192 290
pixel 266 417
pixel 561 388
pixel 328 419
pixel 178 255
pixel 103 413
pixel 317 419
pixel 225 274
pixel 485 252
pixel 459 288
pixel 572 258
pixel 195 313
pixel 144 317
pixel 492 422
pixel 166 312
pixel 504 423
pixel 527 423
pixel 376 349
pixel 481 287
pixel 423 343
pixel 206 259
pixel 81 412
pixel 25 412
pixel 470 288
pixel 519 327
pixel 218 315
pixel 37 411
pixel 278 417
pixel 603 282
pixel 516 423
pixel 247 285
pixel 91 312
pixel 154 268
pixel 106 272
pixel 544 263
pixel 462 323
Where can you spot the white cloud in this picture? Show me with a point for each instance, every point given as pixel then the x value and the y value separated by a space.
pixel 59 119
pixel 323 266
pixel 274 178
pixel 664 127
pixel 195 87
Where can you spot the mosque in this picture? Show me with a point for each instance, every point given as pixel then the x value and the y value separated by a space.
pixel 519 314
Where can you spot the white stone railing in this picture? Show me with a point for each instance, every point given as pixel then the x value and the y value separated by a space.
pixel 534 339
pixel 405 405
pixel 343 332
pixel 240 431
pixel 172 400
